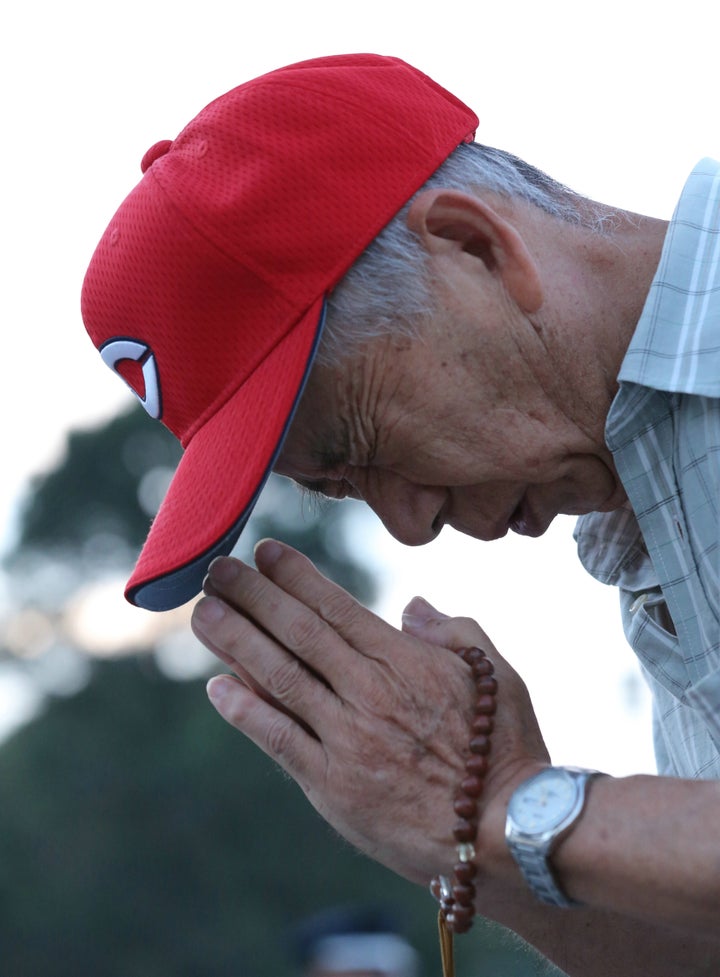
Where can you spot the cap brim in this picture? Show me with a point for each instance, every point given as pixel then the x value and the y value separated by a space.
pixel 222 472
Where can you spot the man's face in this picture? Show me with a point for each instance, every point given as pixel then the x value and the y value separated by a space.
pixel 466 426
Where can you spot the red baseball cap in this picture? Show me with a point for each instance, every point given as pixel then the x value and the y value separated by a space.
pixel 207 291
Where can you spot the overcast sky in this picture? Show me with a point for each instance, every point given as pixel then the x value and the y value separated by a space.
pixel 618 100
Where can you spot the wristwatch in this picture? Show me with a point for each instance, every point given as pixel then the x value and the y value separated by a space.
pixel 541 812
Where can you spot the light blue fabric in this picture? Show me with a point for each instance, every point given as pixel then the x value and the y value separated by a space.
pixel 663 429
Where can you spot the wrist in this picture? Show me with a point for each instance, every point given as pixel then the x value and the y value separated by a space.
pixel 493 851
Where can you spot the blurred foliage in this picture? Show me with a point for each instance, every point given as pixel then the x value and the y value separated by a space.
pixel 140 835
pixel 95 506
pixel 98 485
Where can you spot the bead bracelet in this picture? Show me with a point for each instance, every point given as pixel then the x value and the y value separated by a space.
pixel 456 895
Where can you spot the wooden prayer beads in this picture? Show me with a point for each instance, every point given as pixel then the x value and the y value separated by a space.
pixel 456 895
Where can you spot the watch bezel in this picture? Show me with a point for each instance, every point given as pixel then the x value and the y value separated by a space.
pixel 546 836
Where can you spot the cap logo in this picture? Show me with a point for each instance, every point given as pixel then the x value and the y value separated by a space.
pixel 134 362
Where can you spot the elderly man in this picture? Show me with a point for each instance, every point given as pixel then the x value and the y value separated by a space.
pixel 323 275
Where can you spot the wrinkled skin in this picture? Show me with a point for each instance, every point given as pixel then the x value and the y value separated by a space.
pixel 370 721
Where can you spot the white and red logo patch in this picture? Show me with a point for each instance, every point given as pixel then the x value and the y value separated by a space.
pixel 134 362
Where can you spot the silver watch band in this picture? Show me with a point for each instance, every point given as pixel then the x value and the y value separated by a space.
pixel 539 877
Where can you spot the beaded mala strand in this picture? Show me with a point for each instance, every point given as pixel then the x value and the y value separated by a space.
pixel 456 895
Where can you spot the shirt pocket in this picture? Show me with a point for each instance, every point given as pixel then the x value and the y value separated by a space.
pixel 651 634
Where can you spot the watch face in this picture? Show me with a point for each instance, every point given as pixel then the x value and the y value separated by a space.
pixel 543 802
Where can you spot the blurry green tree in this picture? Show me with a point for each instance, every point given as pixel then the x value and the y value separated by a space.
pixel 139 835
pixel 93 509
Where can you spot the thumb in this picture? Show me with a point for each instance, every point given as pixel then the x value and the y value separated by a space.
pixel 421 620
pixel 420 616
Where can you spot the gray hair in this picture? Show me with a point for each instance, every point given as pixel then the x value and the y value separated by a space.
pixel 387 288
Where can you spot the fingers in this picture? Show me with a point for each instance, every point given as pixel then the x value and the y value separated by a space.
pixel 277 614
pixel 296 575
pixel 267 668
pixel 276 733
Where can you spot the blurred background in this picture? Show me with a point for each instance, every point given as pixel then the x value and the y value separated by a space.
pixel 138 834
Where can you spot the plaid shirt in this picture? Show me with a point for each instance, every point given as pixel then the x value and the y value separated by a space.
pixel 663 429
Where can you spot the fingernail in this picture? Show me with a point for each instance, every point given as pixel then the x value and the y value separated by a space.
pixel 269 551
pixel 217 689
pixel 209 610
pixel 224 569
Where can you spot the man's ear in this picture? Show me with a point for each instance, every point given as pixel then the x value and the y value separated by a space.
pixel 448 221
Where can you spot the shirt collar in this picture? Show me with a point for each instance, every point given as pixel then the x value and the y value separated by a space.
pixel 676 344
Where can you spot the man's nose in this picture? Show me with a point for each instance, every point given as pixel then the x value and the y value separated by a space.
pixel 412 513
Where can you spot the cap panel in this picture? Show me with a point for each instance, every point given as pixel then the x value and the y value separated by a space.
pixel 211 276
pixel 298 199
pixel 208 321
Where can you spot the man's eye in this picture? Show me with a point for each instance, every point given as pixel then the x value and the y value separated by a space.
pixel 327 490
